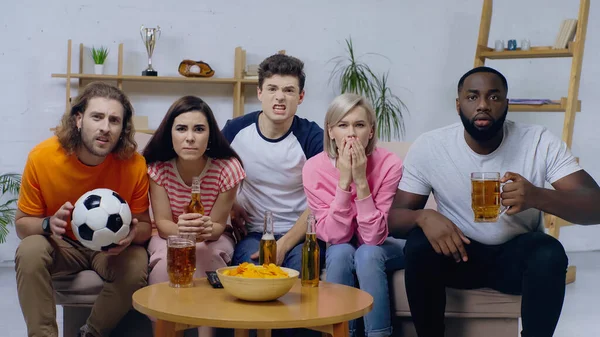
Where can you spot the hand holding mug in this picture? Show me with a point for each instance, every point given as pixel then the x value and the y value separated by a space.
pixel 517 193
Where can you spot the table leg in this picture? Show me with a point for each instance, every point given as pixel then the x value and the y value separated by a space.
pixel 166 329
pixel 241 333
pixel 263 333
pixel 341 330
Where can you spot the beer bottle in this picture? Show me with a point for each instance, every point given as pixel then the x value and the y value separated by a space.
pixel 195 205
pixel 267 252
pixel 310 255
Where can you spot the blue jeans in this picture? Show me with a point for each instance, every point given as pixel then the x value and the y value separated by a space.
pixel 249 245
pixel 370 264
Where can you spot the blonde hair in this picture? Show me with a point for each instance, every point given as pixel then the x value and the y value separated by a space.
pixel 70 137
pixel 337 110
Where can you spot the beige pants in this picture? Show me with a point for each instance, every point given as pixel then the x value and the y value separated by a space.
pixel 39 258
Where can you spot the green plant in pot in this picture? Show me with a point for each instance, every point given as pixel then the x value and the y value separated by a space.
pixel 355 76
pixel 99 55
pixel 9 183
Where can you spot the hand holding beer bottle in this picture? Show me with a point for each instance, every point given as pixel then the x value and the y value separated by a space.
pixel 310 255
pixel 196 224
pixel 195 206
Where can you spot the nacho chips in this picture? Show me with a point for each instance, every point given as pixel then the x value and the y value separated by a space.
pixel 250 270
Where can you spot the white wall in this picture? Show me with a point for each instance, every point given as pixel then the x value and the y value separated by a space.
pixel 429 43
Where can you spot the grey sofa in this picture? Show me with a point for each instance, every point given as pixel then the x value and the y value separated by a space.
pixel 469 313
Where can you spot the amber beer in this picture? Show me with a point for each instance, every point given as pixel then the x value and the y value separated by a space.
pixel 267 252
pixel 181 260
pixel 195 205
pixel 485 196
pixel 310 255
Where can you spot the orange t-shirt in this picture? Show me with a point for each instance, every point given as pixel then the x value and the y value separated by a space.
pixel 52 177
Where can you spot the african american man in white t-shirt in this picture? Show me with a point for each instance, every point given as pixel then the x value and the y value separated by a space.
pixel 447 248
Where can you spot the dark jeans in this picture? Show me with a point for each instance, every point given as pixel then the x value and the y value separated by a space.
pixel 533 265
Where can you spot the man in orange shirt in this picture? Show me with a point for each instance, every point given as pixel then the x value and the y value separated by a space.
pixel 93 148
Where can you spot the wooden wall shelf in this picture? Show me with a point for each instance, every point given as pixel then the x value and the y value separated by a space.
pixel 534 52
pixel 133 78
pixel 557 107
pixel 237 81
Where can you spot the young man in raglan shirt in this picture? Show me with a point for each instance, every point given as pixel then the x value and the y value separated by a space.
pixel 274 144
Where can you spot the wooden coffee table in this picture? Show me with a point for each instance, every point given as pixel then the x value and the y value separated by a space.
pixel 327 308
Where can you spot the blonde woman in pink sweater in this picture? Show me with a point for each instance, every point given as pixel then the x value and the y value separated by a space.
pixel 350 187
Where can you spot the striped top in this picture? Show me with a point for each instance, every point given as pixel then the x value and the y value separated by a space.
pixel 218 176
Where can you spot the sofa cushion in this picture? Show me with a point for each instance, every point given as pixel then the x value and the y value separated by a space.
pixel 401 149
pixel 482 303
pixel 77 289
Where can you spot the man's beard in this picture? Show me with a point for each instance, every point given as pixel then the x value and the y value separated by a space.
pixel 482 135
pixel 88 143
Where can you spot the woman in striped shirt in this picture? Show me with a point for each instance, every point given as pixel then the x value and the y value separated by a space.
pixel 187 144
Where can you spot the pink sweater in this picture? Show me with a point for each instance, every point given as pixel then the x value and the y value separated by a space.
pixel 339 215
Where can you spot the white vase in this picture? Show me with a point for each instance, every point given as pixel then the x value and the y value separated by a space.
pixel 98 69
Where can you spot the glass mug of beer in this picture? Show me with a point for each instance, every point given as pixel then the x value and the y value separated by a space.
pixel 181 260
pixel 485 196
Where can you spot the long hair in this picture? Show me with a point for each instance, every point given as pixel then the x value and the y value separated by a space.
pixel 338 109
pixel 160 146
pixel 70 137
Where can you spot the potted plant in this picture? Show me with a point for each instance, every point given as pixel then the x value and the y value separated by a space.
pixel 357 77
pixel 99 56
pixel 9 183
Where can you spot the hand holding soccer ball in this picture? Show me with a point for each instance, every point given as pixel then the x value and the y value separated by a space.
pixel 101 219
pixel 58 222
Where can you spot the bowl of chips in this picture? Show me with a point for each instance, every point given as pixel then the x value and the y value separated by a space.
pixel 250 282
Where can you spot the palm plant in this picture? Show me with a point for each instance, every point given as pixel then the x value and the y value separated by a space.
pixel 9 183
pixel 388 110
pixel 355 76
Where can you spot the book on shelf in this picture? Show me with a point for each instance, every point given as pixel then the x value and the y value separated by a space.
pixel 566 33
pixel 533 101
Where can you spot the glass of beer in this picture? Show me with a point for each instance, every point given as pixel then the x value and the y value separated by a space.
pixel 181 260
pixel 485 196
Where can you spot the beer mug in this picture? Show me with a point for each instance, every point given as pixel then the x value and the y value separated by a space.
pixel 181 260
pixel 485 196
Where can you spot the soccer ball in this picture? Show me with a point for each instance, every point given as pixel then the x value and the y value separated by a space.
pixel 100 219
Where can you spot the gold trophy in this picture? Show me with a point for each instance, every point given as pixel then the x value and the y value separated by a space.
pixel 149 37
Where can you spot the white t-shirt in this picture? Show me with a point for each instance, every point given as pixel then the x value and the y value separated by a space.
pixel 273 169
pixel 440 161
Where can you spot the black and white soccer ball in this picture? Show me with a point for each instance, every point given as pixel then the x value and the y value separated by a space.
pixel 100 219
